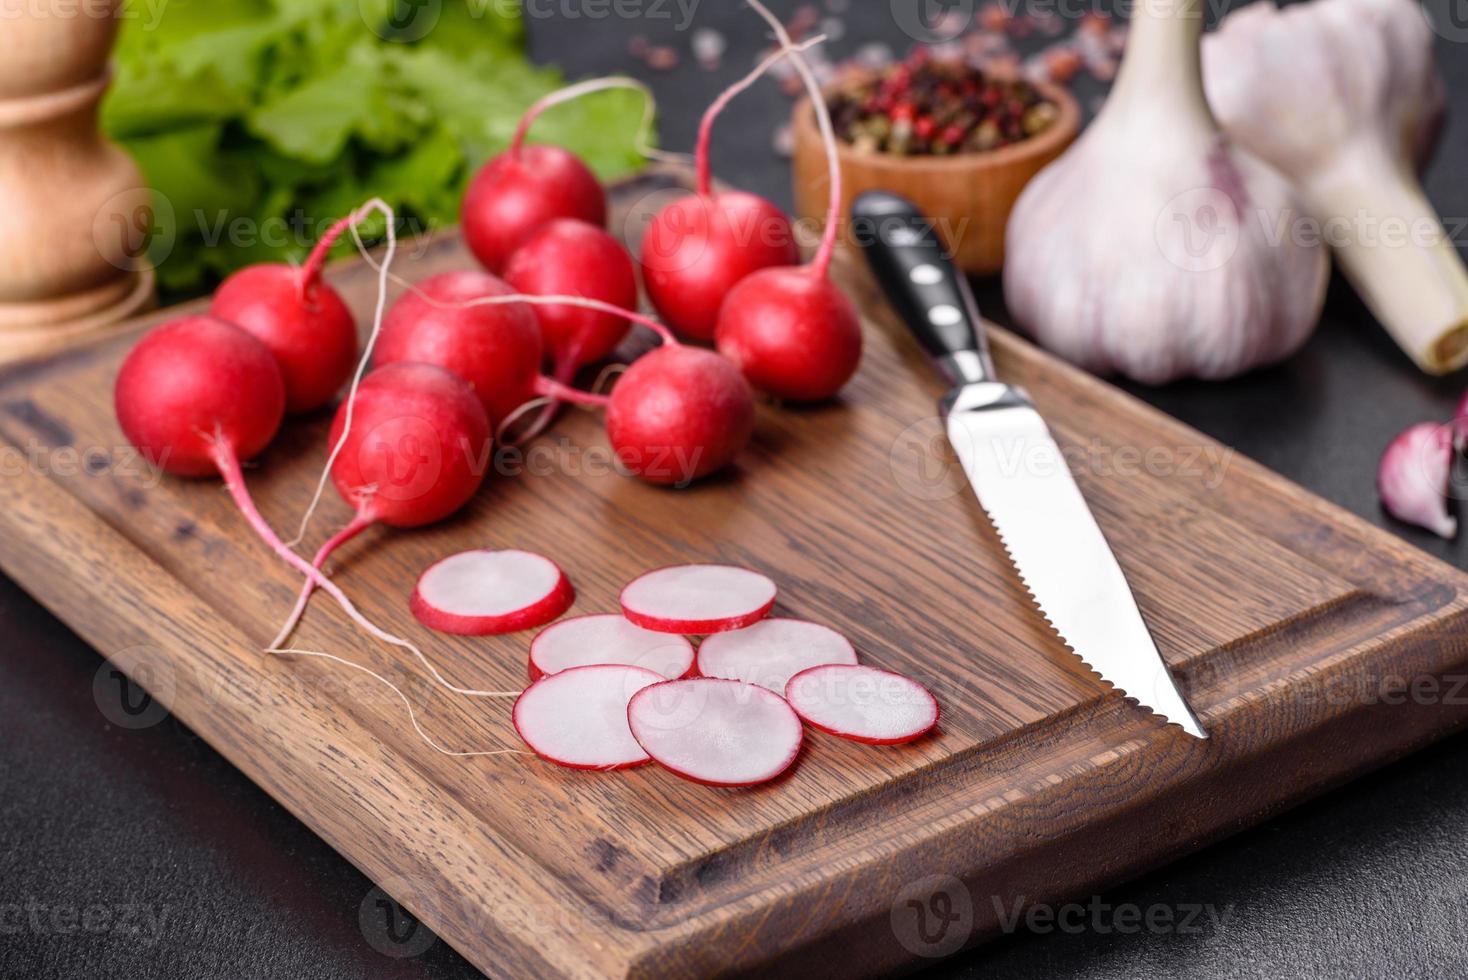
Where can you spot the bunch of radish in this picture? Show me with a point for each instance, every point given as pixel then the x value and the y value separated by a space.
pixel 718 266
pixel 723 266
pixel 459 358
pixel 612 692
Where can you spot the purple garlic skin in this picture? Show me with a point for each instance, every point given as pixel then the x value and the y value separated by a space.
pixel 1162 261
pixel 1414 478
pixel 1154 247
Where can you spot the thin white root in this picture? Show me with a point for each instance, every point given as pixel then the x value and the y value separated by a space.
pixel 381 206
pixel 517 415
pixel 608 374
pixel 361 522
pixel 643 145
pixel 412 715
pixel 583 302
pixel 234 482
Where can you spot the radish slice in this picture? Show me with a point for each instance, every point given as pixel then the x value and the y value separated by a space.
pixel 698 599
pixel 578 718
pixel 608 639
pixel 717 732
pixel 477 593
pixel 771 652
pixel 863 704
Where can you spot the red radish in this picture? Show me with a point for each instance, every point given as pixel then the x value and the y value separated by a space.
pixel 418 448
pixel 569 257
pixel 678 414
pixel 578 718
pixel 716 732
pixel 300 317
pixel 496 348
pixel 698 599
pixel 197 395
pixel 608 639
pixel 772 651
pixel 566 257
pixel 411 446
pixel 791 331
pixel 698 247
pixel 863 704
pixel 481 593
pixel 527 186
pixel 522 189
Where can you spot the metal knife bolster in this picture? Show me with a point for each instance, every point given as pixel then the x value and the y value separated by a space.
pixel 980 396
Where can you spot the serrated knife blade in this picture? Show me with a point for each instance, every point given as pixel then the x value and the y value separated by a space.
pixel 1015 467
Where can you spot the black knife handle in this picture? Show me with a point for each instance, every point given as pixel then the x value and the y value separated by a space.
pixel 922 284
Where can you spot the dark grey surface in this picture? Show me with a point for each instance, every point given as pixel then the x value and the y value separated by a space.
pixel 151 826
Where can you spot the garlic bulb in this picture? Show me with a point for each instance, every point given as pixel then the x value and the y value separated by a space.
pixel 1344 98
pixel 1152 247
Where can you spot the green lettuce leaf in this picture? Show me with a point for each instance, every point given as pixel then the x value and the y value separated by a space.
pixel 253 116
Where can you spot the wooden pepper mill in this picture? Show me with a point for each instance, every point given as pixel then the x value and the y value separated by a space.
pixel 74 211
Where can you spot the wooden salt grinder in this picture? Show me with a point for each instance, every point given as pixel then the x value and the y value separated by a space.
pixel 74 211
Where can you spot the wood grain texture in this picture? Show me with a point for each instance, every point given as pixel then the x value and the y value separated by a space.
pixel 1291 626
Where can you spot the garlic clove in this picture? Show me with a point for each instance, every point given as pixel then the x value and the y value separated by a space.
pixel 1343 96
pixel 1460 422
pixel 1414 477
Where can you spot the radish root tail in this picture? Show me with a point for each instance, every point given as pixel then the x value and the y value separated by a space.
pixel 412 715
pixel 234 481
pixel 608 374
pixel 361 522
pixel 389 252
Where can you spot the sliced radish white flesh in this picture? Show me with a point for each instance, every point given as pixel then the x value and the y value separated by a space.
pixel 863 703
pixel 772 651
pixel 607 639
pixel 698 599
pixel 717 732
pixel 477 593
pixel 578 718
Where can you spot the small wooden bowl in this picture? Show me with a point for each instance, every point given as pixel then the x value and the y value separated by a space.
pixel 969 195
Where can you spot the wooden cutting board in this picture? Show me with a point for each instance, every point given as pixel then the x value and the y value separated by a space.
pixel 1306 640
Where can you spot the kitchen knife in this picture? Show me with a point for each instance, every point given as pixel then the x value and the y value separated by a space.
pixel 1012 462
